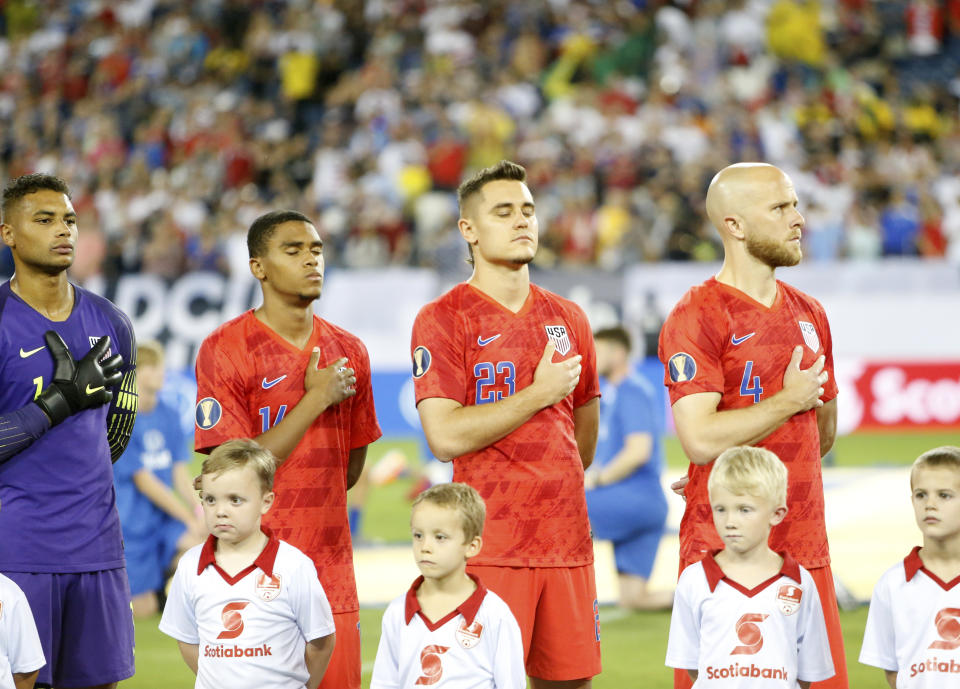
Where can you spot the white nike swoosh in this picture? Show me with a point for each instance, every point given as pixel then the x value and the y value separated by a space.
pixel 24 355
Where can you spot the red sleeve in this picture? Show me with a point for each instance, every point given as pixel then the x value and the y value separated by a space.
pixel 221 412
pixel 690 350
pixel 823 325
pixel 589 385
pixel 364 428
pixel 438 369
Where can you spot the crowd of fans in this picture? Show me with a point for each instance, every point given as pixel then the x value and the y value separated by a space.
pixel 177 122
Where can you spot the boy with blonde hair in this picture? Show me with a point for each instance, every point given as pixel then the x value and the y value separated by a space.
pixel 746 616
pixel 246 608
pixel 913 627
pixel 448 630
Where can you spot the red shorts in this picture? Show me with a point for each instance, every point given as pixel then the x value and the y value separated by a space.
pixel 556 608
pixel 823 578
pixel 343 672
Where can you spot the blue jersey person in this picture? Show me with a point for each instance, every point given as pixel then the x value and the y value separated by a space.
pixel 624 497
pixel 159 509
pixel 67 406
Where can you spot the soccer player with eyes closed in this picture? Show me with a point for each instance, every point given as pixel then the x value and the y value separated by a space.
pixel 300 386
pixel 506 388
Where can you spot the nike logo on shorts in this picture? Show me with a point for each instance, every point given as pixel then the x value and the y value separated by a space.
pixel 740 340
pixel 484 342
pixel 24 355
pixel 267 384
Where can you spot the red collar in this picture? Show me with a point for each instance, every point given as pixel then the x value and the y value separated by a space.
pixel 265 560
pixel 913 564
pixel 467 608
pixel 715 575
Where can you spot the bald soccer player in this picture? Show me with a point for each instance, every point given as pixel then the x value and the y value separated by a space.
pixel 749 361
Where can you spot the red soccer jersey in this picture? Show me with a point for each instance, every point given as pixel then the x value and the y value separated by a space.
pixel 248 377
pixel 718 339
pixel 469 348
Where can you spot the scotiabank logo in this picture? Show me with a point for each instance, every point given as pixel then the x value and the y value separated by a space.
pixel 232 619
pixel 430 664
pixel 948 627
pixel 748 631
pixel 897 394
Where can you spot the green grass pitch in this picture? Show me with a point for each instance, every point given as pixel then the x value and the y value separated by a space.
pixel 633 644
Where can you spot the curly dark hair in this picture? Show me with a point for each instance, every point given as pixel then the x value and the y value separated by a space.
pixel 17 188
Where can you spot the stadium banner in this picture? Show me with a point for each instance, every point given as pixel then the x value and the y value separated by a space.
pixel 897 395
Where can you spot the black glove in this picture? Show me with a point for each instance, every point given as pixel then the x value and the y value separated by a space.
pixel 78 385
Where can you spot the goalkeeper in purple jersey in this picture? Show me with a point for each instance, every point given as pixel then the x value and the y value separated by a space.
pixel 67 405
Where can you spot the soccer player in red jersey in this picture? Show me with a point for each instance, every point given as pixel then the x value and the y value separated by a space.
pixel 506 387
pixel 749 361
pixel 259 376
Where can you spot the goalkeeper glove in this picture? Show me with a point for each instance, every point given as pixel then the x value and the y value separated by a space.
pixel 78 385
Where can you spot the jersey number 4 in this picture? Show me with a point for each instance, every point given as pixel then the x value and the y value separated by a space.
pixel 750 385
pixel 489 375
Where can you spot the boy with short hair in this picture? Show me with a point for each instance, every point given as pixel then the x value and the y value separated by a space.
pixel 448 630
pixel 746 616
pixel 913 627
pixel 246 608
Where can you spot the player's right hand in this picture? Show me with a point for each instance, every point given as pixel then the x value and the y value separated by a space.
pixel 78 385
pixel 804 387
pixel 556 380
pixel 336 382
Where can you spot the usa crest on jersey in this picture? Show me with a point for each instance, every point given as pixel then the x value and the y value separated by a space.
pixel 469 636
pixel 96 338
pixel 810 335
pixel 558 336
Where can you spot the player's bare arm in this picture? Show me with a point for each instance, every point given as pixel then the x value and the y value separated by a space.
pixel 358 457
pixel 25 680
pixel 891 678
pixel 190 653
pixel 827 425
pixel 324 387
pixel 453 429
pixel 160 495
pixel 317 657
pixel 633 455
pixel 705 432
pixel 586 423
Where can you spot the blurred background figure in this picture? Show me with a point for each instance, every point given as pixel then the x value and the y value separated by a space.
pixel 155 498
pixel 624 496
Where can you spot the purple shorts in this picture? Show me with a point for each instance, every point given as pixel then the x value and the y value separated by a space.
pixel 85 625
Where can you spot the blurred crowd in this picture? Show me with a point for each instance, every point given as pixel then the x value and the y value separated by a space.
pixel 178 122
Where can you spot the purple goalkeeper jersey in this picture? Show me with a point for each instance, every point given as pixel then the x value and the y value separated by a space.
pixel 57 507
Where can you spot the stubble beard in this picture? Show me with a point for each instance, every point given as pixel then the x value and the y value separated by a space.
pixel 773 253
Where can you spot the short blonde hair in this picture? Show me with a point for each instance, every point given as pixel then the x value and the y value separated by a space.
pixel 750 471
pixel 240 453
pixel 462 498
pixel 946 457
pixel 149 353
